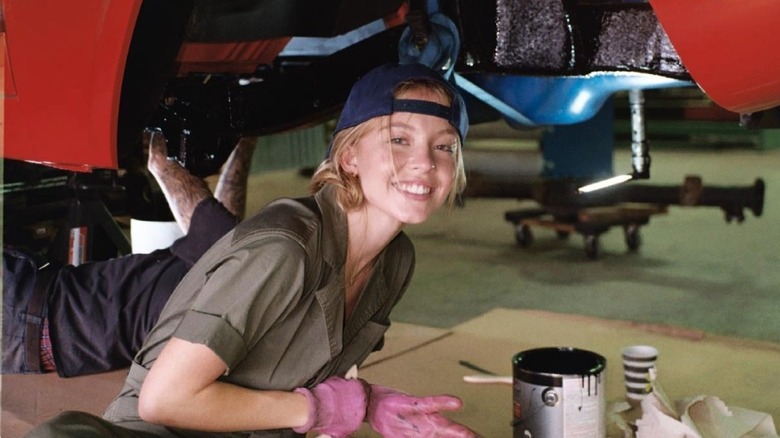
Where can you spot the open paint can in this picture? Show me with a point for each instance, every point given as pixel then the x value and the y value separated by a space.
pixel 558 392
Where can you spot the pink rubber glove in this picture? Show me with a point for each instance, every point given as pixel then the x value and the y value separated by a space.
pixel 337 406
pixel 395 414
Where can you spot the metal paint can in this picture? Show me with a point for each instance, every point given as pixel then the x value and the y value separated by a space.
pixel 558 392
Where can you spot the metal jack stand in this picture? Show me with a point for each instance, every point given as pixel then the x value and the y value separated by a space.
pixel 88 231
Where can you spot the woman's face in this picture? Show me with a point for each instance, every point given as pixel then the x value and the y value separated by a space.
pixel 406 169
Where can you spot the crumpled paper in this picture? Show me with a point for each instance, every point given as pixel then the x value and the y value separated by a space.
pixel 701 416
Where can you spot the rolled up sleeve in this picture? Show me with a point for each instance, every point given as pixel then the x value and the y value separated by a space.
pixel 245 293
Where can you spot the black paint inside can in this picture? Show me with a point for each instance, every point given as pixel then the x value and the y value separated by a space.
pixel 547 366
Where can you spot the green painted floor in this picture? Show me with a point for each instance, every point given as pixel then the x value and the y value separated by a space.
pixel 693 270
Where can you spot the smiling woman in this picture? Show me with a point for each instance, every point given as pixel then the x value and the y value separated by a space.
pixel 312 278
pixel 398 166
pixel 369 109
pixel 414 174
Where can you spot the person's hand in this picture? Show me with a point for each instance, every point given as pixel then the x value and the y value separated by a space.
pixel 158 151
pixel 395 414
pixel 337 406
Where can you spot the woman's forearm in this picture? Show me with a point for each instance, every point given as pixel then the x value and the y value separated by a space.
pixel 223 407
pixel 185 393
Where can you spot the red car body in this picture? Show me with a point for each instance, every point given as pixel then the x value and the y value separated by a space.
pixel 63 67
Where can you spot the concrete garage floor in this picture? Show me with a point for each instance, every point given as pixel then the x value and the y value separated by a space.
pixel 693 271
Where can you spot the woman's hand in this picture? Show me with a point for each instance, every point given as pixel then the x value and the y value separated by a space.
pixel 337 406
pixel 396 414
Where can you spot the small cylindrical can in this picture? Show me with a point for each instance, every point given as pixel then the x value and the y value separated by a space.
pixel 558 392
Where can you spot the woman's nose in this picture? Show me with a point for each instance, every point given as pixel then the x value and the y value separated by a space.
pixel 422 159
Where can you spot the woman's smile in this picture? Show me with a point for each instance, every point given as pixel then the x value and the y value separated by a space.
pixel 415 189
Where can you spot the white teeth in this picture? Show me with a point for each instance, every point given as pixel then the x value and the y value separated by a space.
pixel 416 189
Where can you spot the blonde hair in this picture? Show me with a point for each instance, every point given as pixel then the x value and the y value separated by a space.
pixel 349 190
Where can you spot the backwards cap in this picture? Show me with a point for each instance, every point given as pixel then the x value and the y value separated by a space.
pixel 372 96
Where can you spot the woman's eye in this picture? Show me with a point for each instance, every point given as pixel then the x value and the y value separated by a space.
pixel 446 148
pixel 398 140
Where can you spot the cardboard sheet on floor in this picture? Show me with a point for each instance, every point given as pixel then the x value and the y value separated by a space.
pixel 32 399
pixel 424 360
pixel 741 372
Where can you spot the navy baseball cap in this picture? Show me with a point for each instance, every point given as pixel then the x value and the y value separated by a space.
pixel 372 96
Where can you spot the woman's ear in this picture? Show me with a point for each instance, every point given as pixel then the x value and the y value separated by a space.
pixel 348 160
